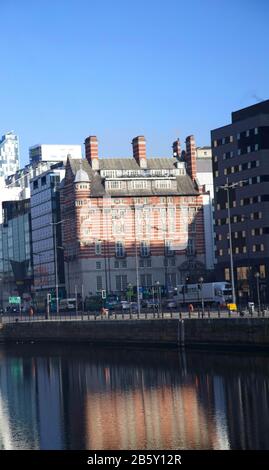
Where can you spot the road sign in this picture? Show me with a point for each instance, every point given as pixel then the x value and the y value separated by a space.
pixel 14 300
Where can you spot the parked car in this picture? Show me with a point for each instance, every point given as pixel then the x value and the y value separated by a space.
pixel 151 303
pixel 125 305
pixel 171 304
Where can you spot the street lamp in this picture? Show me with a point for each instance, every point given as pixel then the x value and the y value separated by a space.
pixel 158 295
pixel 257 275
pixel 201 280
pixel 56 263
pixel 227 187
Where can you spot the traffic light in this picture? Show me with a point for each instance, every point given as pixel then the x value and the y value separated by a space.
pixel 103 294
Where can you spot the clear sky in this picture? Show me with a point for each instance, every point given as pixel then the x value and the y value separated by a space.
pixel 121 68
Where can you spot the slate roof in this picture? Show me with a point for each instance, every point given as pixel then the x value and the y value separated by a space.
pixel 185 186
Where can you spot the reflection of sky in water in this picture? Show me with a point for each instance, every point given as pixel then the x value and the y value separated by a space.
pixel 73 397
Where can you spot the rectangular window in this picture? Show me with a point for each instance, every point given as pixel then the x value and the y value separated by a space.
pixel 98 265
pixel 121 283
pixel 146 280
pixel 144 248
pixel 99 283
pixel 262 271
pixel 119 249
pixel 98 248
pixel 227 274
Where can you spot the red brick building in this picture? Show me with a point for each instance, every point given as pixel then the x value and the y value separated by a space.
pixel 132 220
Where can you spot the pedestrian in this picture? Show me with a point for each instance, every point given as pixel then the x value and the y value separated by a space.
pixel 190 307
pixel 31 311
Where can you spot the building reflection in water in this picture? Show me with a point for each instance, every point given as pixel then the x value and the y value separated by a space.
pixel 73 397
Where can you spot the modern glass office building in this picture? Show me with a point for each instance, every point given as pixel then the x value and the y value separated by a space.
pixel 9 154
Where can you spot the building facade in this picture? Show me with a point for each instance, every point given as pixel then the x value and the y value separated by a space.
pixel 240 153
pixel 132 221
pixel 15 251
pixel 53 153
pixel 47 247
pixel 9 154
pixel 205 180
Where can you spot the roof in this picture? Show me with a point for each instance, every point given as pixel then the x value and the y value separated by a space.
pixel 185 186
pixel 81 176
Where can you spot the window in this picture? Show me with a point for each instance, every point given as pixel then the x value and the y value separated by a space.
pixel 242 273
pixel 144 248
pixel 98 265
pixel 99 283
pixel 163 184
pixel 98 248
pixel 238 136
pixel 121 283
pixel 227 274
pixel 247 133
pixel 115 184
pixel 256 130
pixel 43 181
pixel 262 271
pixel 35 184
pixel 119 249
pixel 146 280
pixel 191 246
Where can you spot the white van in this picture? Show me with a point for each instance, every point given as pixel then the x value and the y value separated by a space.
pixel 67 304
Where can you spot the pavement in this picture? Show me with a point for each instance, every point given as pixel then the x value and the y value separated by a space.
pixel 214 314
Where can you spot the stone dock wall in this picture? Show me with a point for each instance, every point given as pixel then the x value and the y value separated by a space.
pixel 223 333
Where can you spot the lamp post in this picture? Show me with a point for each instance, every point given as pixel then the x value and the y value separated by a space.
pixel 227 188
pixel 257 275
pixel 158 295
pixel 56 262
pixel 201 280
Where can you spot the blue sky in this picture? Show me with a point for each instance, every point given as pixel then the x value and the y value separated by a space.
pixel 117 69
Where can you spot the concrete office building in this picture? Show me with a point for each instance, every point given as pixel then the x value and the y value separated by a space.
pixel 241 158
pixel 53 153
pixel 205 180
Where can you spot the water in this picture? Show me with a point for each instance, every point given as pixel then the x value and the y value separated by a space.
pixel 76 397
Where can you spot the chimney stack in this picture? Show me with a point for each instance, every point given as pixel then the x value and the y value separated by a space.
pixel 139 150
pixel 91 151
pixel 190 156
pixel 176 149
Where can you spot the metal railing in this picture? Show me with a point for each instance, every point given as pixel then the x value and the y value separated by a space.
pixel 145 314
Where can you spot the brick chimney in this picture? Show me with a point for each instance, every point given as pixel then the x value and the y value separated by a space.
pixel 139 150
pixel 176 149
pixel 91 151
pixel 190 156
